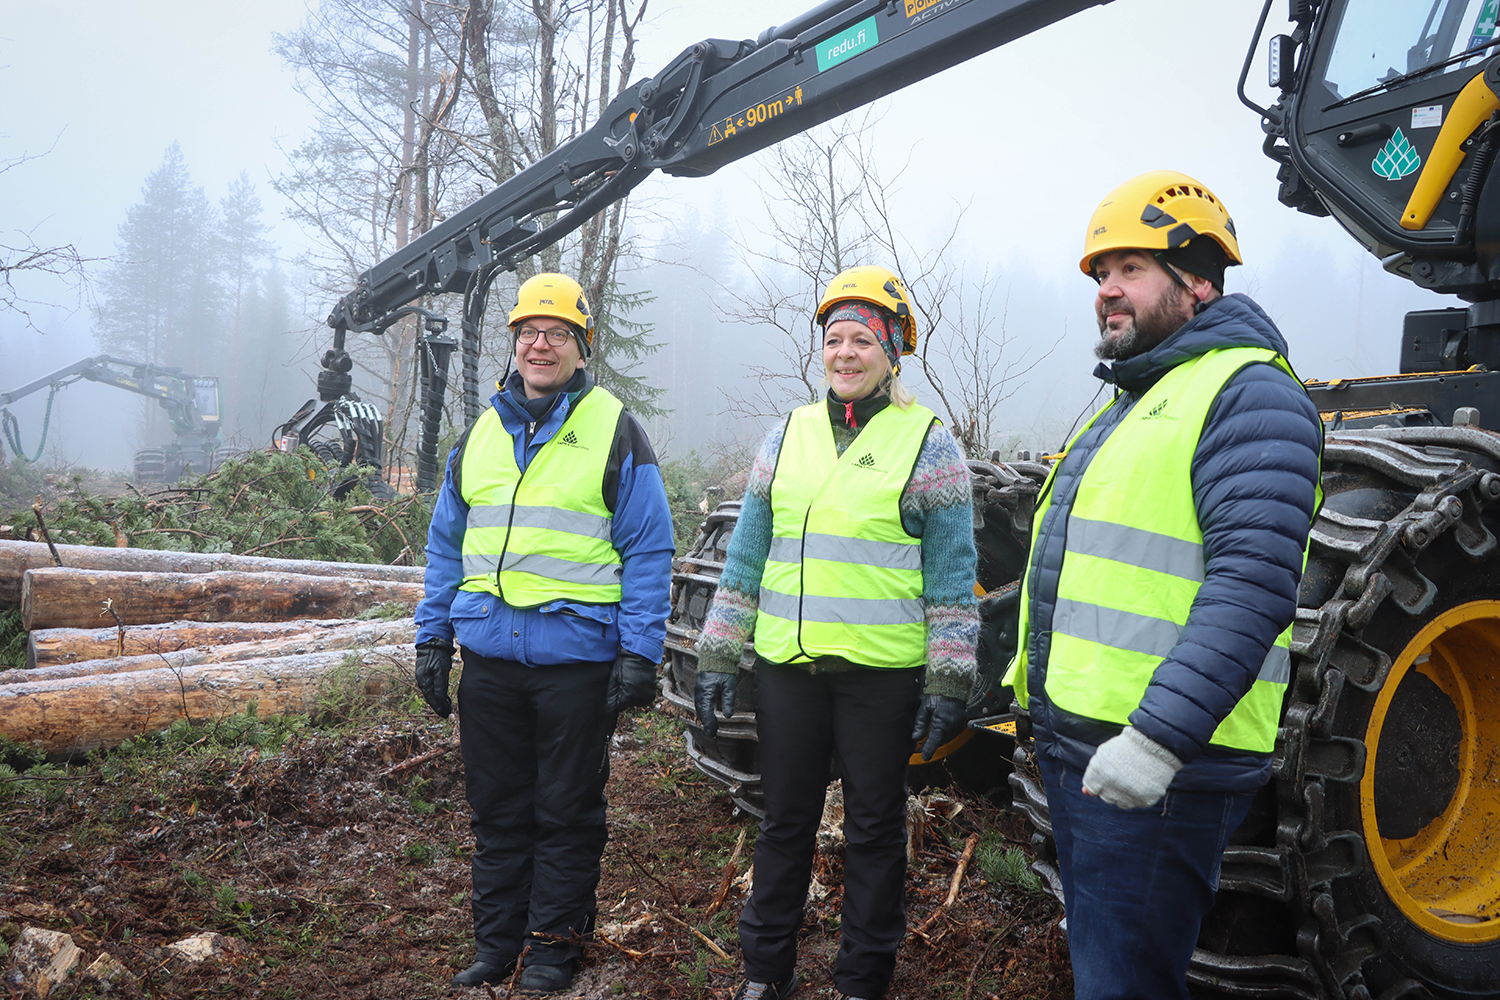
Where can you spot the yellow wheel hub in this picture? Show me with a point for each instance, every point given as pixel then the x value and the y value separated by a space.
pixel 1430 795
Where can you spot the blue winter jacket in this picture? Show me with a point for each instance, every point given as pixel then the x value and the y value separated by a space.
pixel 1254 476
pixel 562 631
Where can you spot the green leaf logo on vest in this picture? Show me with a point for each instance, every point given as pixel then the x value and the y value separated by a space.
pixel 570 438
pixel 1158 411
pixel 867 460
pixel 1397 160
pixel 850 42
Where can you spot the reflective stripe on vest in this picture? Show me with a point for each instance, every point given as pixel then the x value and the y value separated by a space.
pixel 543 535
pixel 1133 562
pixel 842 577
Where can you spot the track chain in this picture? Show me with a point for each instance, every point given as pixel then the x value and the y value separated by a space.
pixel 1448 466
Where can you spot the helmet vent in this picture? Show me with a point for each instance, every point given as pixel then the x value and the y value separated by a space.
pixel 1182 191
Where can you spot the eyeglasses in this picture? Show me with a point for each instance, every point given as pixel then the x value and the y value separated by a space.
pixel 557 338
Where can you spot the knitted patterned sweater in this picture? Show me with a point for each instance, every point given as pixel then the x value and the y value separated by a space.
pixel 936 506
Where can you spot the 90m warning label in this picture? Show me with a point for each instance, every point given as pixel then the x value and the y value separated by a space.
pixel 757 115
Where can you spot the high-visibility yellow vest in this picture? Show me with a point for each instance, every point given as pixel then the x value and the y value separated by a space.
pixel 1133 562
pixel 542 535
pixel 843 577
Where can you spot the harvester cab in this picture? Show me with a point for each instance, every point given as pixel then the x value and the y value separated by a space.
pixel 1388 120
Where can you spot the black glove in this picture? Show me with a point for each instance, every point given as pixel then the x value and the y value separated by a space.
pixel 711 689
pixel 434 663
pixel 940 719
pixel 632 682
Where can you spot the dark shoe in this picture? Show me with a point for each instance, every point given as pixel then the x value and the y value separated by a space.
pixel 484 974
pixel 751 990
pixel 545 978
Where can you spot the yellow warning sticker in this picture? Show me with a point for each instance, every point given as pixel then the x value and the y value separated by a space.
pixel 758 115
pixel 915 8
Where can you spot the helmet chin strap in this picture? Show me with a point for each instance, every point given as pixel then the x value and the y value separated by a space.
pixel 1198 304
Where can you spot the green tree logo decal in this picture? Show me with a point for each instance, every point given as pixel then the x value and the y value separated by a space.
pixel 1397 159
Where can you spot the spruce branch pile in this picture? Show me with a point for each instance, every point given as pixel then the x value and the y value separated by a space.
pixel 262 503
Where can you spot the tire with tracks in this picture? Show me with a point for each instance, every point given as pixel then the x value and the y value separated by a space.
pixel 151 466
pixel 1370 866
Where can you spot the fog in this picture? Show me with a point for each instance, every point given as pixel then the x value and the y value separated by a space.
pixel 1007 155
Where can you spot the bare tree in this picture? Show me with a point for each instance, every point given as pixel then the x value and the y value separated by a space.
pixel 817 227
pixel 22 258
pixel 971 363
pixel 543 81
pixel 840 214
pixel 425 106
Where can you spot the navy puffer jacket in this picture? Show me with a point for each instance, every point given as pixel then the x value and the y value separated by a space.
pixel 1254 477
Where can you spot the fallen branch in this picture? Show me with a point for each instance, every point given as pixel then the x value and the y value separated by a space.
pixel 636 955
pixel 731 868
pixel 420 759
pixel 629 856
pixel 984 955
pixel 109 606
pixel 958 876
pixel 36 509
pixel 700 936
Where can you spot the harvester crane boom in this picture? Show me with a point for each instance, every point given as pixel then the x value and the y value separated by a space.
pixel 717 102
pixel 193 413
pixel 191 403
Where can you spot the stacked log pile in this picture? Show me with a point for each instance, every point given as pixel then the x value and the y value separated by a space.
pixel 186 635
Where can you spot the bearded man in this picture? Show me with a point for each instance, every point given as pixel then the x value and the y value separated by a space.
pixel 1158 598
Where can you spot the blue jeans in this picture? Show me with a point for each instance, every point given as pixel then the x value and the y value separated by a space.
pixel 1136 883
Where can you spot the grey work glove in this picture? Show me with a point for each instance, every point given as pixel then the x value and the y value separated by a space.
pixel 939 718
pixel 714 689
pixel 632 682
pixel 434 664
pixel 1130 770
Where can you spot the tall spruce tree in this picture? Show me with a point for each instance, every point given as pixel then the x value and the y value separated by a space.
pixel 243 247
pixel 160 298
pixel 270 388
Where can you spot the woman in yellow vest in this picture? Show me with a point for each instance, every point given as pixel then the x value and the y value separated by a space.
pixel 853 563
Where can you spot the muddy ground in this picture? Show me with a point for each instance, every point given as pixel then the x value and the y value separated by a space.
pixel 342 867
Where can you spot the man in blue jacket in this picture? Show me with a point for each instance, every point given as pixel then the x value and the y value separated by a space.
pixel 549 561
pixel 1157 602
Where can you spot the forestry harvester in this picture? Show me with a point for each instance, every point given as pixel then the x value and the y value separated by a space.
pixel 190 401
pixel 1370 866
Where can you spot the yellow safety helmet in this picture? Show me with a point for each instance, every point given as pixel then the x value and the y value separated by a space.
pixel 1159 211
pixel 557 296
pixel 878 286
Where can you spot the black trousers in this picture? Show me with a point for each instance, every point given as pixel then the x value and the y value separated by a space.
pixel 536 758
pixel 865 718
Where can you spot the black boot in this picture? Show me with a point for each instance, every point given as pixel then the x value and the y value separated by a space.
pixel 483 973
pixel 546 978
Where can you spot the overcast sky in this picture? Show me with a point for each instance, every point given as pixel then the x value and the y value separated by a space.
pixel 1024 141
